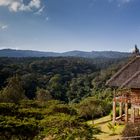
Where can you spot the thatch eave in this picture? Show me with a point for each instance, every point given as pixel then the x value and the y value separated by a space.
pixel 126 74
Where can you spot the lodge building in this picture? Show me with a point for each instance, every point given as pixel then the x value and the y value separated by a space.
pixel 127 80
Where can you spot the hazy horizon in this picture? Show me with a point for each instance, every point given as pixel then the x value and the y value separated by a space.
pixel 67 25
pixel 66 51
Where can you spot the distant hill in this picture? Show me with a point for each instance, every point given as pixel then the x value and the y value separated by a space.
pixel 93 54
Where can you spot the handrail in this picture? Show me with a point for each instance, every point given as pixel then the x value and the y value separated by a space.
pixel 133 137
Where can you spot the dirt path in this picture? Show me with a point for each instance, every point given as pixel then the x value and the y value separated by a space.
pixel 102 123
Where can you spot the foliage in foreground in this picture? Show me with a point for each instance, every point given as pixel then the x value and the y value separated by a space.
pixel 34 121
pixel 112 128
pixel 91 108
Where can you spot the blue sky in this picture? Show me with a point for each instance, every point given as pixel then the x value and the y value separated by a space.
pixel 64 25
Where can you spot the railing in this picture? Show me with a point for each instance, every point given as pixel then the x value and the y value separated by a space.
pixel 129 138
pixel 129 99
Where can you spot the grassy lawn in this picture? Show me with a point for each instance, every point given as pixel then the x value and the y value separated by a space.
pixel 102 123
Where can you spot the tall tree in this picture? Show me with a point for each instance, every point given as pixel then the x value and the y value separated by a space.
pixel 43 95
pixel 136 51
pixel 13 92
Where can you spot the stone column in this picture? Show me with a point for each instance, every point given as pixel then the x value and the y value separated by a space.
pixel 126 112
pixel 114 111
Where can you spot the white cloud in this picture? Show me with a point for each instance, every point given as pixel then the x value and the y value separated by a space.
pixel 121 1
pixel 125 1
pixel 3 27
pixel 35 3
pixel 39 12
pixel 47 18
pixel 18 5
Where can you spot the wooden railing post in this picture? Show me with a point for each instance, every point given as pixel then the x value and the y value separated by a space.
pixel 120 111
pixel 132 114
pixel 137 112
pixel 114 111
pixel 126 112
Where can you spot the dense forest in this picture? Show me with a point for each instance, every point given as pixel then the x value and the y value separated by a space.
pixel 54 97
pixel 66 79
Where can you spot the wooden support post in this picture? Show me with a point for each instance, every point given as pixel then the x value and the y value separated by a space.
pixel 136 112
pixel 132 114
pixel 120 111
pixel 114 111
pixel 126 112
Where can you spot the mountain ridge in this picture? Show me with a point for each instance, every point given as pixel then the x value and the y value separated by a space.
pixel 74 53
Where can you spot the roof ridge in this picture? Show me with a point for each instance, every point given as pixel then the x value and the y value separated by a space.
pixel 121 70
pixel 130 79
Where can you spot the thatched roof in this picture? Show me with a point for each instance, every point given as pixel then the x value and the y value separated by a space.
pixel 128 76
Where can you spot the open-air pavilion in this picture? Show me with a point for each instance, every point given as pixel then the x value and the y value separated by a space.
pixel 127 80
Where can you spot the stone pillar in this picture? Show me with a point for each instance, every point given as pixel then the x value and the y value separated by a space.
pixel 120 110
pixel 132 114
pixel 126 112
pixel 114 111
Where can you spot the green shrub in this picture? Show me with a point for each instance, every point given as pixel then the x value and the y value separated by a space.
pixel 91 108
pixel 9 109
pixel 32 122
pixel 62 126
pixel 61 108
pixel 117 113
pixel 112 128
pixel 12 127
pixel 30 113
pixel 29 104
